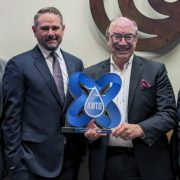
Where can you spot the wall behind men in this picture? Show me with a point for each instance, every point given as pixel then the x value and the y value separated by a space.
pixel 81 38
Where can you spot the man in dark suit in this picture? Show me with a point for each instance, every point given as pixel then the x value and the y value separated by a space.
pixel 2 67
pixel 34 109
pixel 137 149
pixel 176 140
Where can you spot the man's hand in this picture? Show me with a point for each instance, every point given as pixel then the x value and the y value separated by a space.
pixel 93 131
pixel 128 131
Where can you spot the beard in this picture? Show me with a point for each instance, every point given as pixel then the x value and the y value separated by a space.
pixel 51 43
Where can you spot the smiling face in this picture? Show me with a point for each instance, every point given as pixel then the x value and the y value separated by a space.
pixel 121 39
pixel 49 31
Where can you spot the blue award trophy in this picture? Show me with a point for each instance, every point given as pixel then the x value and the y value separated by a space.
pixel 93 100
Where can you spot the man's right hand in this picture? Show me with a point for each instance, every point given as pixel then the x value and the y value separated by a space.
pixel 93 131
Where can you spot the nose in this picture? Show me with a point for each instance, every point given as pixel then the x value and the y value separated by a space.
pixel 50 31
pixel 123 41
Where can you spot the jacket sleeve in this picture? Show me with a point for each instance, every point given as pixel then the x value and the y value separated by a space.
pixel 13 100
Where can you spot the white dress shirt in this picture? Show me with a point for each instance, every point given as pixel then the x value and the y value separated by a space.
pixel 121 100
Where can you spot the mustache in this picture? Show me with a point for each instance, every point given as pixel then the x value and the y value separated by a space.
pixel 120 47
pixel 51 37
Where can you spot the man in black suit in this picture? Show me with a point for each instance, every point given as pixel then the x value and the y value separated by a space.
pixel 176 140
pixel 34 108
pixel 137 149
pixel 2 67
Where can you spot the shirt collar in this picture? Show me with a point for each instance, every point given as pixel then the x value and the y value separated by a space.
pixel 46 53
pixel 115 67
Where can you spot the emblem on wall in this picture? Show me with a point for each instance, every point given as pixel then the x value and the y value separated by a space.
pixel 166 31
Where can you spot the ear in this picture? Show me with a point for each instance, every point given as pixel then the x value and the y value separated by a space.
pixel 34 29
pixel 62 31
pixel 63 27
pixel 107 38
pixel 107 41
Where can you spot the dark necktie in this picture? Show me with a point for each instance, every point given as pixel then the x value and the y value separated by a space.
pixel 57 74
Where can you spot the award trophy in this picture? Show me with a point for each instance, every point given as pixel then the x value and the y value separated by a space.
pixel 93 100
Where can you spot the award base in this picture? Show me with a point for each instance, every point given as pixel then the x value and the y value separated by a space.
pixel 82 130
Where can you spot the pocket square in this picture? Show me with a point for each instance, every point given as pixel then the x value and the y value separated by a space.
pixel 145 84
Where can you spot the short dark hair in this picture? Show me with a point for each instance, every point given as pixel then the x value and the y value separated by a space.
pixel 52 10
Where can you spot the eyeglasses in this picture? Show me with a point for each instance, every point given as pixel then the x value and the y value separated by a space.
pixel 127 37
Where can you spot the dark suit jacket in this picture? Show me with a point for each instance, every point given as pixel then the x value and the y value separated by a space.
pixel 33 114
pixel 175 141
pixel 178 130
pixel 153 109
pixel 2 67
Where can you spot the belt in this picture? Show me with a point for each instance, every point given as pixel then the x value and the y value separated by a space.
pixel 119 150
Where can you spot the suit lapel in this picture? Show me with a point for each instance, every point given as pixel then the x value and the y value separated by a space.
pixel 105 67
pixel 42 67
pixel 136 72
pixel 70 69
pixel 69 64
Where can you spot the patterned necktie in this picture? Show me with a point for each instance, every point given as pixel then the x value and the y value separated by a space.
pixel 57 74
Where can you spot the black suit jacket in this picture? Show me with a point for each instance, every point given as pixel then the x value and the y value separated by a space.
pixel 154 109
pixel 33 114
pixel 2 67
pixel 177 132
pixel 175 141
